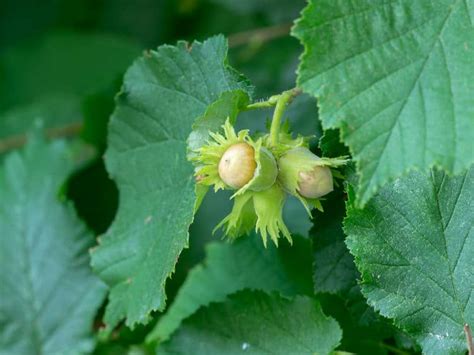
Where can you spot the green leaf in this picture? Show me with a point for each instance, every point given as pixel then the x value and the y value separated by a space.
pixel 413 244
pixel 335 275
pixel 334 269
pixel 257 323
pixel 228 105
pixel 331 145
pixel 396 77
pixel 49 296
pixel 163 93
pixel 230 267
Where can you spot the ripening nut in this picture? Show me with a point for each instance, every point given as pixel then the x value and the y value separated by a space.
pixel 315 183
pixel 306 174
pixel 235 161
pixel 237 165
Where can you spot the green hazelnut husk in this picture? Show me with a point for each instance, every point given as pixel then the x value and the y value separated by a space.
pixel 235 161
pixel 261 210
pixel 266 171
pixel 305 175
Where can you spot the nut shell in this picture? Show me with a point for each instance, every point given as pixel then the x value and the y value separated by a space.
pixel 237 165
pixel 315 183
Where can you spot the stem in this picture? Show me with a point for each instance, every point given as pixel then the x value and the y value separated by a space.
pixel 17 141
pixel 283 100
pixel 259 35
pixel 272 101
pixel 470 345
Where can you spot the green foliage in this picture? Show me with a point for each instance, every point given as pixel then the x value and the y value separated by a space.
pixel 257 323
pixel 364 331
pixel 383 267
pixel 163 93
pixel 49 294
pixel 283 269
pixel 228 106
pixel 396 78
pixel 413 244
pixel 330 144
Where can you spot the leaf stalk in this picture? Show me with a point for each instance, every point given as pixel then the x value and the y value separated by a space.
pixel 470 346
pixel 283 100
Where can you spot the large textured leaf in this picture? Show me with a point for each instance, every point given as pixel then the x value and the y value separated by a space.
pixel 163 93
pixel 256 323
pixel 232 267
pixel 49 295
pixel 414 245
pixel 396 77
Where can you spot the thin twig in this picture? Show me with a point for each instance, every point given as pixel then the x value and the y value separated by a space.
pixel 259 35
pixel 470 346
pixel 19 140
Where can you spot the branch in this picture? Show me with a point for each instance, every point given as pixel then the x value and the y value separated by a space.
pixel 259 35
pixel 17 141
pixel 468 332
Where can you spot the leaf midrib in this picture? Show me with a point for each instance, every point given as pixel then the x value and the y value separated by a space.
pixel 36 333
pixel 397 116
pixel 443 228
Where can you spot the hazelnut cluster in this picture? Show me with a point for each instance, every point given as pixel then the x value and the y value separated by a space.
pixel 262 174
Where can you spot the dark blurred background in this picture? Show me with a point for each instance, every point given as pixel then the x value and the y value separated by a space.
pixel 62 61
